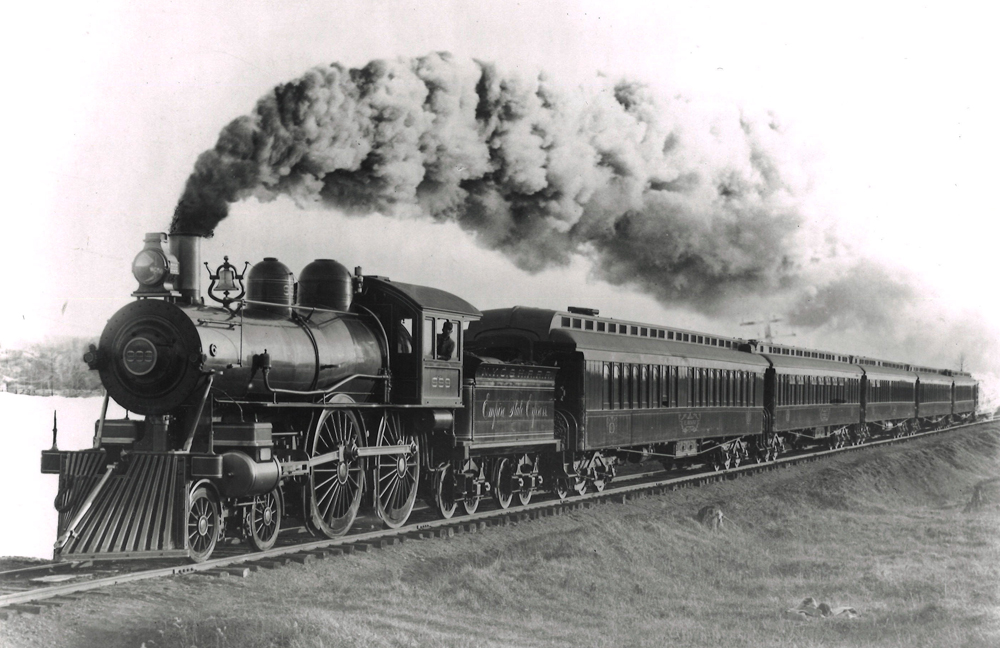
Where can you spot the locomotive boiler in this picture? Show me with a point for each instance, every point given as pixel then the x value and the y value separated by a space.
pixel 157 351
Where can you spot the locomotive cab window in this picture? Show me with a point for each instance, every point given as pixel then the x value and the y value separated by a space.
pixel 442 339
pixel 404 336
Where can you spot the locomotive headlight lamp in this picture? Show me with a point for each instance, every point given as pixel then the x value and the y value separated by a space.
pixel 154 268
pixel 150 267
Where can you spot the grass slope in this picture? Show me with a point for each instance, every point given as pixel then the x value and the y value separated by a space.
pixel 882 531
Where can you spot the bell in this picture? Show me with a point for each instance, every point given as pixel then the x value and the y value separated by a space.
pixel 227 279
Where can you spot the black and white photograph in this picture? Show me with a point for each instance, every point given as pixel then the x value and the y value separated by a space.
pixel 502 324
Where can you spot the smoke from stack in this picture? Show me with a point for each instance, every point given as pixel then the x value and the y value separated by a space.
pixel 699 208
pixel 690 209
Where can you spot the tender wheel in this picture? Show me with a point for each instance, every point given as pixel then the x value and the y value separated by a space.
pixel 396 475
pixel 524 496
pixel 333 488
pixel 444 491
pixel 503 470
pixel 203 524
pixel 264 520
pixel 470 504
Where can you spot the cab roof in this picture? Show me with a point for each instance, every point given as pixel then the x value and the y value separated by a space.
pixel 424 297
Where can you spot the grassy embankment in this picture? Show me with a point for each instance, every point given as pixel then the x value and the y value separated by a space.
pixel 883 531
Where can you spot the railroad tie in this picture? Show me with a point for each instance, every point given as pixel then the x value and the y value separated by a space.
pixel 321 554
pixel 272 563
pixel 26 608
pixel 237 571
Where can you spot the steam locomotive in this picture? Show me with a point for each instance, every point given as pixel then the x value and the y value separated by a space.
pixel 302 400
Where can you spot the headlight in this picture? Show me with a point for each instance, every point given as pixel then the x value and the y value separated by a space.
pixel 149 267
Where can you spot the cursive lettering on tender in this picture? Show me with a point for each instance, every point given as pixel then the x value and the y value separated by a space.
pixel 519 409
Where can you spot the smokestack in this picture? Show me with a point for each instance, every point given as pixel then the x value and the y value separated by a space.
pixel 187 249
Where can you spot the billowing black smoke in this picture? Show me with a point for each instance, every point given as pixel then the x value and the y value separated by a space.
pixel 688 207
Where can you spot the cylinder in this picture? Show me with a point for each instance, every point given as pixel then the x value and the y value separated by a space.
pixel 270 288
pixel 187 249
pixel 243 477
pixel 324 283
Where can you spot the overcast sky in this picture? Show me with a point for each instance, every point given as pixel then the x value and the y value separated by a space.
pixel 893 108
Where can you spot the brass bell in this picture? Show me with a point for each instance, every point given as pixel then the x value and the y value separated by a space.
pixel 227 279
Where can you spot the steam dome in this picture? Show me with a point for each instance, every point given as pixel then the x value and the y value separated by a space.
pixel 324 283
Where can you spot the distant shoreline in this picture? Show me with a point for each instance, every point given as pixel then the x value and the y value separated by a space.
pixel 67 393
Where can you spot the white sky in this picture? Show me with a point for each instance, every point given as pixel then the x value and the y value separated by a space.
pixel 107 106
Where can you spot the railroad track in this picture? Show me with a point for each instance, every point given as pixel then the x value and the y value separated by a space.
pixel 33 588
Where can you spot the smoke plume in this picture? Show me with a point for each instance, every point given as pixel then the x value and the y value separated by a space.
pixel 689 208
pixel 865 296
pixel 701 207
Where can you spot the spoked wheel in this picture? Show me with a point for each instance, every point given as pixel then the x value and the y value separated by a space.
pixel 737 455
pixel 471 502
pixel 264 520
pixel 396 475
pixel 333 488
pixel 525 495
pixel 503 470
pixel 721 459
pixel 203 524
pixel 599 468
pixel 444 491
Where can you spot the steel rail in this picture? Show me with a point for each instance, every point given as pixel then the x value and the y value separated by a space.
pixel 528 511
